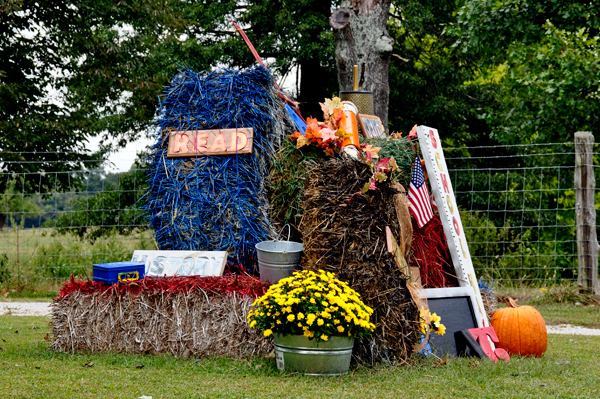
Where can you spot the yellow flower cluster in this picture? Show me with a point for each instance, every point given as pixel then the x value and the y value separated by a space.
pixel 434 325
pixel 313 304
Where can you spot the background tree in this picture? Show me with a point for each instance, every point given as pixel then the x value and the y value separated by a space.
pixel 428 78
pixel 542 59
pixel 362 39
pixel 73 70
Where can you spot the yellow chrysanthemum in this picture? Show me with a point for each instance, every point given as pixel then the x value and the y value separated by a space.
pixel 324 337
pixel 340 329
pixel 300 316
pixel 253 323
pixel 442 330
pixel 268 332
pixel 291 317
pixel 320 322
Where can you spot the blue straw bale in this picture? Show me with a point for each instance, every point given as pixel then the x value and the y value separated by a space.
pixel 216 203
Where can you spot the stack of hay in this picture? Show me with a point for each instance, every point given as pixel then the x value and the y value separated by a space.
pixel 185 316
pixel 344 233
pixel 216 203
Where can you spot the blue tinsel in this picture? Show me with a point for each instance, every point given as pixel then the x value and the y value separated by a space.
pixel 217 202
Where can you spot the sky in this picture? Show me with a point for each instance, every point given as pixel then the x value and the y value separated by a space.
pixel 122 160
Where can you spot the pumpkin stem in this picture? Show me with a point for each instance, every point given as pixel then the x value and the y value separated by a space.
pixel 510 303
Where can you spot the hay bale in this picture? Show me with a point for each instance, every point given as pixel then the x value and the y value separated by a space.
pixel 145 319
pixel 489 298
pixel 345 234
pixel 287 178
pixel 216 203
pixel 291 166
pixel 403 152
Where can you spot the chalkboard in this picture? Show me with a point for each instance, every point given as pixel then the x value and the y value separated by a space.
pixel 455 307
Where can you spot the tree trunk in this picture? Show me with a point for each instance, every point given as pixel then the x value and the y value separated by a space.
pixel 361 36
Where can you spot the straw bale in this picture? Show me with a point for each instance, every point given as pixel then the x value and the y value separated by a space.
pixel 216 203
pixel 203 322
pixel 345 233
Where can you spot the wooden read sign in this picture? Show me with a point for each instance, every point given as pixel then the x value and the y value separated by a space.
pixel 191 143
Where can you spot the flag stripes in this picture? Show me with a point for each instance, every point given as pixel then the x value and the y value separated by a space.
pixel 418 196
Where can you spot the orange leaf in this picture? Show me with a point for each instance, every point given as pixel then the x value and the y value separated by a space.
pixel 325 111
pixel 312 128
pixel 294 136
pixel 393 164
pixel 302 141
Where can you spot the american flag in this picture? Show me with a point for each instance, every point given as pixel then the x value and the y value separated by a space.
pixel 418 196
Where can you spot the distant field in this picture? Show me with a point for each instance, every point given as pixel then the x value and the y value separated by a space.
pixel 38 260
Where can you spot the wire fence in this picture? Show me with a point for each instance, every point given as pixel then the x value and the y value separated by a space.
pixel 518 208
pixel 91 216
pixel 517 205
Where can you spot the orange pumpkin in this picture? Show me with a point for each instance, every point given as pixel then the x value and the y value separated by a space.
pixel 521 330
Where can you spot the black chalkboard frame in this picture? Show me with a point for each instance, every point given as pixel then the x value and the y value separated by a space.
pixel 457 307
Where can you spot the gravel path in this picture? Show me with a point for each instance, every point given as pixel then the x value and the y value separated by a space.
pixel 25 308
pixel 43 309
pixel 571 330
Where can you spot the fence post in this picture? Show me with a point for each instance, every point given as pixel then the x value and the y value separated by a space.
pixel 585 211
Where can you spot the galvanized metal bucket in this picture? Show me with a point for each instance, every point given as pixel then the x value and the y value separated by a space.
pixel 278 259
pixel 324 358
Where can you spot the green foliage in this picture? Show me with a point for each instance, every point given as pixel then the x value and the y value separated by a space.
pixel 297 33
pixel 57 260
pixel 427 87
pixel 15 206
pixel 516 256
pixel 403 152
pixel 105 63
pixel 288 175
pixel 540 58
pixel 564 293
pixel 4 270
pixel 116 209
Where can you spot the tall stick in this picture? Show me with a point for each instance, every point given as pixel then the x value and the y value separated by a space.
pixel 585 211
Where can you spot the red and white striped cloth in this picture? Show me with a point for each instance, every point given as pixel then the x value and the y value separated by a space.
pixel 418 196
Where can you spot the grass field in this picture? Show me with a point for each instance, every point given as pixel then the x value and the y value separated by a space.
pixel 30 370
pixel 37 262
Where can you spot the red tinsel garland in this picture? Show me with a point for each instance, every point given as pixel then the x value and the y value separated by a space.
pixel 247 286
pixel 429 252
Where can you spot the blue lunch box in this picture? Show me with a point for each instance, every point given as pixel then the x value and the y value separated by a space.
pixel 118 272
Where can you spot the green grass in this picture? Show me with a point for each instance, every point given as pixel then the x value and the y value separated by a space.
pixel 29 369
pixel 587 316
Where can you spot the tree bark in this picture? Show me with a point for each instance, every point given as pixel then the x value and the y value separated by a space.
pixel 361 36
